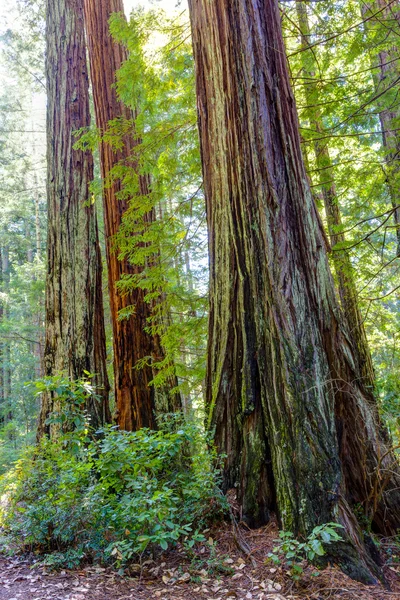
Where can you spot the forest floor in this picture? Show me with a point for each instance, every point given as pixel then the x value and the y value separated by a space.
pixel 174 577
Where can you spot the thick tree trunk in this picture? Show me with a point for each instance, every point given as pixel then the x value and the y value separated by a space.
pixel 387 77
pixel 341 259
pixel 300 430
pixel 75 336
pixel 136 400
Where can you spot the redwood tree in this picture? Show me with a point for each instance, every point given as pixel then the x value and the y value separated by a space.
pixel 75 336
pixel 300 431
pixel 135 398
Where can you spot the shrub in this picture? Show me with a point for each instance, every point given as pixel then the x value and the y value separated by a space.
pixel 111 497
pixel 293 553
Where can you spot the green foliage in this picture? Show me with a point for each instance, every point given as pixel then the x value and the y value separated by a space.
pixel 13 443
pixel 293 553
pixel 22 222
pixel 70 401
pixel 338 82
pixel 112 497
pixel 171 249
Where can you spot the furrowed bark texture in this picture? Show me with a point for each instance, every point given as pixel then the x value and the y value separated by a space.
pixel 387 77
pixel 136 400
pixel 75 336
pixel 297 425
pixel 326 179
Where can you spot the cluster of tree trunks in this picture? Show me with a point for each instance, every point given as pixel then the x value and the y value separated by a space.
pixel 289 386
pixel 75 338
pixel 299 427
pixel 75 334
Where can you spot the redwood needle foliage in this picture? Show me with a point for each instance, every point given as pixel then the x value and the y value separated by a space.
pixel 172 250
pixel 347 81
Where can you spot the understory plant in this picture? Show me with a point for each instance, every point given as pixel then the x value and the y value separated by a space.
pixel 293 553
pixel 113 496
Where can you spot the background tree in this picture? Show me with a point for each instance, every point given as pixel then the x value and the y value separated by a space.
pixel 326 178
pixel 22 223
pixel 382 22
pixel 346 100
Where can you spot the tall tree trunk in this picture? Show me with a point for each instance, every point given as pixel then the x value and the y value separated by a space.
pixel 386 76
pixel 32 345
pixel 6 353
pixel 28 238
pixel 341 259
pixel 75 336
pixel 37 319
pixel 36 195
pixel 135 399
pixel 300 431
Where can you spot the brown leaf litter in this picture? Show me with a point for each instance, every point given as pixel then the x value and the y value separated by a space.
pixel 234 570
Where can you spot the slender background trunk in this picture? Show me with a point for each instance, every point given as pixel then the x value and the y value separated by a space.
pixel 1 342
pixel 6 351
pixel 386 76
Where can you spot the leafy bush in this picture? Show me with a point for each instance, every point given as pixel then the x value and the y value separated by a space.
pixel 293 553
pixel 70 400
pixel 112 497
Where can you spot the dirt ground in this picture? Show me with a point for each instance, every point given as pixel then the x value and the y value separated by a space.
pixel 238 570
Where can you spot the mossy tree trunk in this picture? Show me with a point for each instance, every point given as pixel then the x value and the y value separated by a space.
pixel 326 179
pixel 300 431
pixel 136 400
pixel 75 336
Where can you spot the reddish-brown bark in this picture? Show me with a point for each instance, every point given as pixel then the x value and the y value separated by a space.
pixel 300 431
pixel 135 398
pixel 75 336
